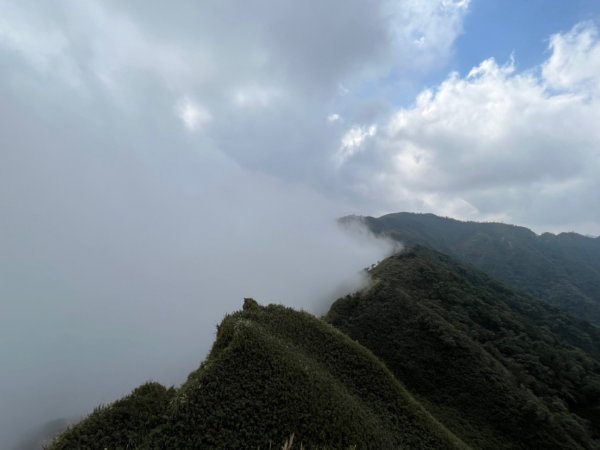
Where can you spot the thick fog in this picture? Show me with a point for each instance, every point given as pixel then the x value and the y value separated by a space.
pixel 150 178
pixel 160 163
pixel 120 255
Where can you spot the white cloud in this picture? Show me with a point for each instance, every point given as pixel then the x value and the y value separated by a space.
pixel 498 141
pixel 256 96
pixel 44 46
pixel 20 35
pixel 352 141
pixel 574 65
pixel 236 63
pixel 457 208
pixel 425 31
pixel 191 114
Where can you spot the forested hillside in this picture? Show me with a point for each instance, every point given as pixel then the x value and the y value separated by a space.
pixel 272 373
pixel 497 367
pixel 562 269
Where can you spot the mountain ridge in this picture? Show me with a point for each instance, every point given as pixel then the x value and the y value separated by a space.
pixel 562 269
pixel 497 367
pixel 433 353
pixel 272 372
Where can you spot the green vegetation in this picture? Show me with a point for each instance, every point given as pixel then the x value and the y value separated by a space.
pixel 563 269
pixel 497 367
pixel 272 373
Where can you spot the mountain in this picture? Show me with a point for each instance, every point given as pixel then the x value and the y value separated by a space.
pixel 562 269
pixel 272 373
pixel 499 368
pixel 433 354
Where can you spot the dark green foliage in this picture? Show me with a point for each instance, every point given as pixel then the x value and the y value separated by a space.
pixel 274 372
pixel 563 269
pixel 498 368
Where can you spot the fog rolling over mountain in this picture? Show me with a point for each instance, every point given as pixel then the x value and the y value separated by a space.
pixel 562 269
pixel 106 286
pixel 459 360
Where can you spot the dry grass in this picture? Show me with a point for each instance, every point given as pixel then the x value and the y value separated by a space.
pixel 289 443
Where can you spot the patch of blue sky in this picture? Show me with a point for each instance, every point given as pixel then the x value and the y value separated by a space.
pixel 519 28
pixel 499 29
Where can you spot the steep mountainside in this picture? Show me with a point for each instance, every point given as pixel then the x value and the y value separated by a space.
pixel 271 373
pixel 497 367
pixel 563 269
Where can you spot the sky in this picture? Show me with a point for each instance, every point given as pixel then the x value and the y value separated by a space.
pixel 159 161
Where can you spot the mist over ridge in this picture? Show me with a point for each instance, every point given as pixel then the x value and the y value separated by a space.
pixel 122 257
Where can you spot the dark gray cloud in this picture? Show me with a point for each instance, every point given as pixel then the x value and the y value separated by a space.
pixel 265 76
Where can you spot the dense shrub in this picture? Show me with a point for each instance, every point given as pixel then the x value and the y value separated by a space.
pixel 272 372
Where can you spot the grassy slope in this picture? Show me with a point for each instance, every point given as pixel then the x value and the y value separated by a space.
pixel 563 269
pixel 500 369
pixel 272 372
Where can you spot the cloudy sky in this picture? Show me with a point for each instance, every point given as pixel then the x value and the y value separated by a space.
pixel 160 160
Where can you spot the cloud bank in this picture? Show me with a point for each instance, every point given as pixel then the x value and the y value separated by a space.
pixel 497 144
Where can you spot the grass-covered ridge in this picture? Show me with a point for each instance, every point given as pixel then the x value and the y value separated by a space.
pixel 499 368
pixel 271 373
